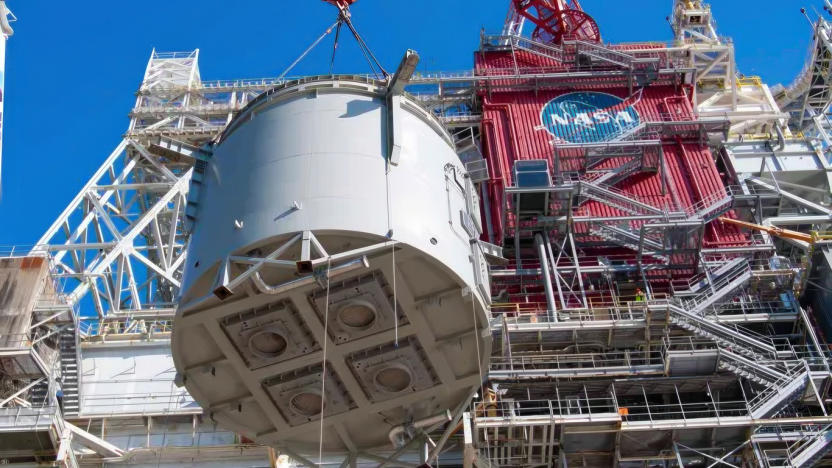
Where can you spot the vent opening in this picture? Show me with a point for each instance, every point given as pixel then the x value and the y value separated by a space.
pixel 267 344
pixel 393 379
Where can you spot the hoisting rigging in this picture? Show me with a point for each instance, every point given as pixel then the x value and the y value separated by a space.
pixel 344 18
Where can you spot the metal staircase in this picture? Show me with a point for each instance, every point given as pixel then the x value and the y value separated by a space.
pixel 39 394
pixel 651 237
pixel 727 336
pixel 621 172
pixel 810 450
pixel 598 54
pixel 750 369
pixel 783 381
pixel 629 238
pixel 70 375
pixel 536 48
pixel 696 284
pixel 687 310
pixel 618 199
pixel 724 282
pixel 578 53
pixel 776 397
pixel 711 207
pixel 805 445
pixel 742 352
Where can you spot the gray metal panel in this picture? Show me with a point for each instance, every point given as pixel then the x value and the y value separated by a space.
pixel 131 378
pixel 325 152
pixel 21 280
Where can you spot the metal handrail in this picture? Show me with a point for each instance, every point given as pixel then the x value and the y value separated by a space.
pixel 620 193
pixel 684 411
pixel 707 203
pixel 793 450
pixel 576 406
pixel 790 371
pixel 734 335
pixel 534 312
pixel 128 326
pixel 522 362
pixel 717 286
pixel 686 343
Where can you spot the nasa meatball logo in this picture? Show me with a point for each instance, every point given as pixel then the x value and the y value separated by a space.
pixel 589 117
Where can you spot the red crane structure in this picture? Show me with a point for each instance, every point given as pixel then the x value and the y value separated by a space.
pixel 558 20
pixel 341 3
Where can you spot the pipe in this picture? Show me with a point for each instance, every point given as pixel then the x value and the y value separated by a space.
pixel 398 431
pixel 796 220
pixel 555 270
pixel 781 139
pixel 307 280
pixel 547 277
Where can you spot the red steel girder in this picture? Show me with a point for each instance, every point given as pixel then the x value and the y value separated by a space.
pixel 341 3
pixel 558 20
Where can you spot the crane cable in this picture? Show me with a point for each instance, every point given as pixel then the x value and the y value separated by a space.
pixel 308 49
pixel 395 301
pixel 324 339
pixel 335 46
pixel 365 49
pixel 343 18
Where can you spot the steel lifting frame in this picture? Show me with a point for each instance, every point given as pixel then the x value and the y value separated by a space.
pixel 225 285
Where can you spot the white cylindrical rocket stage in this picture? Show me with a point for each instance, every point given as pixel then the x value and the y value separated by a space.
pixel 310 194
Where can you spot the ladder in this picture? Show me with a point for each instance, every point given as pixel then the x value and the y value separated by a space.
pixel 70 366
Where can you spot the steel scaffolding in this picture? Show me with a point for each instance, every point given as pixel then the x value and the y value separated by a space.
pixel 658 351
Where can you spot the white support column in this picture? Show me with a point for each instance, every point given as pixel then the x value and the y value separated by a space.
pixel 6 32
pixel 469 451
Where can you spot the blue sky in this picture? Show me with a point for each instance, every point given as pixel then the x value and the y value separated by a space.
pixel 72 69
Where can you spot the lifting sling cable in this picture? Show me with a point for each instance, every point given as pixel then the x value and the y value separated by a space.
pixel 324 340
pixel 364 47
pixel 309 49
pixel 343 18
pixel 335 46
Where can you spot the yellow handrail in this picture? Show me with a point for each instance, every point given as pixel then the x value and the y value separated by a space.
pixel 750 81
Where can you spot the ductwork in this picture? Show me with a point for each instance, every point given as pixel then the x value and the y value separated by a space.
pixel 397 434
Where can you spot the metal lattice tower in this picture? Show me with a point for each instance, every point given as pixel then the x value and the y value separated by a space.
pixel 810 94
pixel 122 237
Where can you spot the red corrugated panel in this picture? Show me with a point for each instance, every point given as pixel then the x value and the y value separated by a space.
pixel 512 130
pixel 503 62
